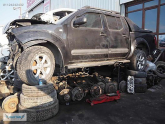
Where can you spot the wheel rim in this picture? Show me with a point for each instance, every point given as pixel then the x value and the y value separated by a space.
pixel 141 62
pixel 41 66
pixel 161 69
pixel 7 74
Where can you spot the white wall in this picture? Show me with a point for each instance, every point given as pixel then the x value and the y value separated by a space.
pixel 77 4
pixel 4 51
pixel 125 1
pixel 3 39
pixel 122 9
pixel 38 9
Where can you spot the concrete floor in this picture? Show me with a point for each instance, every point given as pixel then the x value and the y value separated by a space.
pixel 139 108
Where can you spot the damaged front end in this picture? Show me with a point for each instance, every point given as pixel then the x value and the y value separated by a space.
pixel 13 41
pixel 15 46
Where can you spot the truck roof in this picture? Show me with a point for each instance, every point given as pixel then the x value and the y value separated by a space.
pixel 94 8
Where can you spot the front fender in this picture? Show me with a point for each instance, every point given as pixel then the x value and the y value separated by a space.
pixel 30 38
pixel 137 42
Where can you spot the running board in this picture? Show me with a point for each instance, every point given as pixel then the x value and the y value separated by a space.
pixel 97 63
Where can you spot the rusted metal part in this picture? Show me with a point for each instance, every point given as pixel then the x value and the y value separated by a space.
pixel 75 86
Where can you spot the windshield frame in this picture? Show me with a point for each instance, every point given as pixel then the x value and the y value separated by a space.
pixel 62 20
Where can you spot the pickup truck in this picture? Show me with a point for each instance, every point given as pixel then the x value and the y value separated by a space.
pixel 88 37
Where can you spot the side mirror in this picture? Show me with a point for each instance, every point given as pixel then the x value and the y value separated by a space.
pixel 80 21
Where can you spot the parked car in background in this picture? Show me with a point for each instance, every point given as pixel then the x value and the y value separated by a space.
pixel 162 43
pixel 54 15
pixel 162 40
pixel 88 37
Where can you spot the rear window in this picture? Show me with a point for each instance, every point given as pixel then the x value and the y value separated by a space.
pixel 114 23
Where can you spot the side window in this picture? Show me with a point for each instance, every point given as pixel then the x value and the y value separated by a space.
pixel 114 23
pixel 120 26
pixel 93 21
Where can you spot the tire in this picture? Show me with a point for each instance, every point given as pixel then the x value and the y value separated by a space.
pixel 41 114
pixel 30 65
pixel 140 85
pixel 38 102
pixel 18 83
pixel 37 91
pixel 137 74
pixel 160 68
pixel 123 86
pixel 138 60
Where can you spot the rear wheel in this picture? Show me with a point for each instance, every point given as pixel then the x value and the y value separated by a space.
pixel 36 62
pixel 138 60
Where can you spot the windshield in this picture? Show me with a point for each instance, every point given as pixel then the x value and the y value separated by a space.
pixel 64 18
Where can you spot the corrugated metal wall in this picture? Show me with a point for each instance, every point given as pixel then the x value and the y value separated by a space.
pixel 38 9
pixel 76 4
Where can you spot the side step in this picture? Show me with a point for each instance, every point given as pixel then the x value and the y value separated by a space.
pixel 95 63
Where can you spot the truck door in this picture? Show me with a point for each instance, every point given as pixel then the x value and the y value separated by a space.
pixel 86 41
pixel 118 35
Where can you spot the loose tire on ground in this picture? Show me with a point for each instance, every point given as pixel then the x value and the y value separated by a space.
pixel 34 63
pixel 10 104
pixel 37 91
pixel 41 114
pixel 38 102
pixel 123 86
pixel 138 60
pixel 140 85
pixel 160 67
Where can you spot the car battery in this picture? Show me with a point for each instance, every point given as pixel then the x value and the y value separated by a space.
pixel 140 85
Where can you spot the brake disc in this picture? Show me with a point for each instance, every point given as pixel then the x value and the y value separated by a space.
pixel 110 88
pixel 97 89
pixel 77 94
pixel 10 104
pixel 102 85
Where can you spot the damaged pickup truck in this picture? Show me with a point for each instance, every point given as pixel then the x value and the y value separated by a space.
pixel 88 37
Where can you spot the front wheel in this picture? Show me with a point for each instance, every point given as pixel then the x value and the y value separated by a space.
pixel 138 60
pixel 36 62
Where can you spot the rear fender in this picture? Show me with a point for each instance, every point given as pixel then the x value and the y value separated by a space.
pixel 136 43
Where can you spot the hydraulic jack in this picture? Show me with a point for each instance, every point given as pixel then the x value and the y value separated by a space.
pixel 108 97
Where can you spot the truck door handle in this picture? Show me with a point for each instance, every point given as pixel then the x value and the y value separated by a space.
pixel 124 35
pixel 102 34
